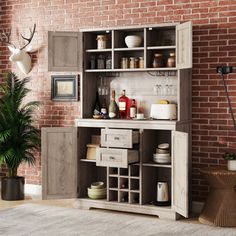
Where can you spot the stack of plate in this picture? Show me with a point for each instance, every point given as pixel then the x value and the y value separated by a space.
pixel 162 154
pixel 97 190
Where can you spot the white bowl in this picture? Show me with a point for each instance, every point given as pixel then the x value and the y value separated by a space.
pixel 97 185
pixel 161 155
pixel 133 41
pixel 164 146
pixel 162 151
pixel 161 158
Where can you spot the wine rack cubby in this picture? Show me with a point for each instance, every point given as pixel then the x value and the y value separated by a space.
pixel 124 184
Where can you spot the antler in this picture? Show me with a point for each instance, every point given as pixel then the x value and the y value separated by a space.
pixel 5 38
pixel 30 38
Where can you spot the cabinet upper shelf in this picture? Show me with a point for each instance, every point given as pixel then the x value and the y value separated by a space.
pixel 165 40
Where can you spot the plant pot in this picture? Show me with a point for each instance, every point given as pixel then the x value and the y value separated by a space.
pixel 13 188
pixel 231 165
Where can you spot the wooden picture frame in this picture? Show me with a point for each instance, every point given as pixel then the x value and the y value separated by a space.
pixel 64 87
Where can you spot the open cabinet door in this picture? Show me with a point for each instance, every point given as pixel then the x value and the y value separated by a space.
pixel 59 162
pixel 65 51
pixel 180 172
pixel 184 45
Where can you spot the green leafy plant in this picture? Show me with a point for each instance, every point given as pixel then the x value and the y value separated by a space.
pixel 18 136
pixel 229 156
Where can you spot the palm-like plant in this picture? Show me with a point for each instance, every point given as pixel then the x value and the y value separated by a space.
pixel 18 137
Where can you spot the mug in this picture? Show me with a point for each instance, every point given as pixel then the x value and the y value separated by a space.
pixel 140 116
pixel 162 192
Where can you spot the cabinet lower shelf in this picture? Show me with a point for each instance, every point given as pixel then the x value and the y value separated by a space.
pixel 164 212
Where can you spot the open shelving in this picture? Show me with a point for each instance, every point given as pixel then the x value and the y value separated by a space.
pixel 154 40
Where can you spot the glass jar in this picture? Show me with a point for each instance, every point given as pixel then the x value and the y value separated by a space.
pixel 108 62
pixel 171 60
pixel 102 41
pixel 132 62
pixel 100 62
pixel 124 63
pixel 141 62
pixel 92 62
pixel 136 62
pixel 158 60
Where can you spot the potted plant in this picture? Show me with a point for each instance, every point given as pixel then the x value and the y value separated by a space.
pixel 231 158
pixel 18 136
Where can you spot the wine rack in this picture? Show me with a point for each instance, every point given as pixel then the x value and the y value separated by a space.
pixel 124 184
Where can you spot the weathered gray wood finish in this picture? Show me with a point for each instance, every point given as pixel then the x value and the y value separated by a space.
pixel 59 163
pixel 64 51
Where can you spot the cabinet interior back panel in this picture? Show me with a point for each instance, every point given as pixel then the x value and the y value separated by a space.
pixel 146 89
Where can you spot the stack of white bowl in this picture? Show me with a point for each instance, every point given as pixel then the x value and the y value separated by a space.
pixel 97 190
pixel 162 155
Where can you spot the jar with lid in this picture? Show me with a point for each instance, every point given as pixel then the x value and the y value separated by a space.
pixel 171 60
pixel 132 62
pixel 102 41
pixel 92 62
pixel 124 63
pixel 108 62
pixel 141 62
pixel 136 62
pixel 158 60
pixel 101 62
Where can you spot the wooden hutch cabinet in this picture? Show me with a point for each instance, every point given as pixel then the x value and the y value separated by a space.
pixel 127 146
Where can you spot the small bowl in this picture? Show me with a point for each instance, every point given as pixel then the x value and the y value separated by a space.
pixel 133 41
pixel 164 146
pixel 161 155
pixel 97 185
pixel 97 193
pixel 162 151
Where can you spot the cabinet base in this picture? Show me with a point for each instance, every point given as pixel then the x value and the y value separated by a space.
pixel 161 212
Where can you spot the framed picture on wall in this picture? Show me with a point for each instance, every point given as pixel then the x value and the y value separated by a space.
pixel 64 88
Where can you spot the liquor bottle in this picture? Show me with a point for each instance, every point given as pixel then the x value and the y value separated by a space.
pixel 104 107
pixel 97 107
pixel 113 106
pixel 123 102
pixel 133 109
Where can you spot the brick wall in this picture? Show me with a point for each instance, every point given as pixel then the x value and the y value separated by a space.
pixel 214 43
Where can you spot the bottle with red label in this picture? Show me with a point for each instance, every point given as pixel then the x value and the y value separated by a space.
pixel 133 109
pixel 123 104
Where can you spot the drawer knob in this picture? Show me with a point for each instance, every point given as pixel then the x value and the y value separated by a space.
pixel 117 138
pixel 112 158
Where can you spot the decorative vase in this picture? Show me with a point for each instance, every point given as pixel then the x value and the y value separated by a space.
pixel 12 188
pixel 231 165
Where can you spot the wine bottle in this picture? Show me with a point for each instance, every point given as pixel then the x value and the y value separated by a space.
pixel 123 102
pixel 97 107
pixel 103 107
pixel 133 109
pixel 113 106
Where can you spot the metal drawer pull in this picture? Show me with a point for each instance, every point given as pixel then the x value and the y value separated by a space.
pixel 117 138
pixel 112 158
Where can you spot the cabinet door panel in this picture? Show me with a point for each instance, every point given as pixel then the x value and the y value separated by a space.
pixel 180 172
pixel 184 45
pixel 64 51
pixel 59 163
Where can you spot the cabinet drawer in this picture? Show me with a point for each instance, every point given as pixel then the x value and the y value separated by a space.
pixel 121 138
pixel 116 157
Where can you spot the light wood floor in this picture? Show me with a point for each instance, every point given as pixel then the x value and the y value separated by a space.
pixel 68 203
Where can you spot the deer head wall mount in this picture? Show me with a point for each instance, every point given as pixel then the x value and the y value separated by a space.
pixel 19 55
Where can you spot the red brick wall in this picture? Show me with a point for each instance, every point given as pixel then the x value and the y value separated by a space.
pixel 214 43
